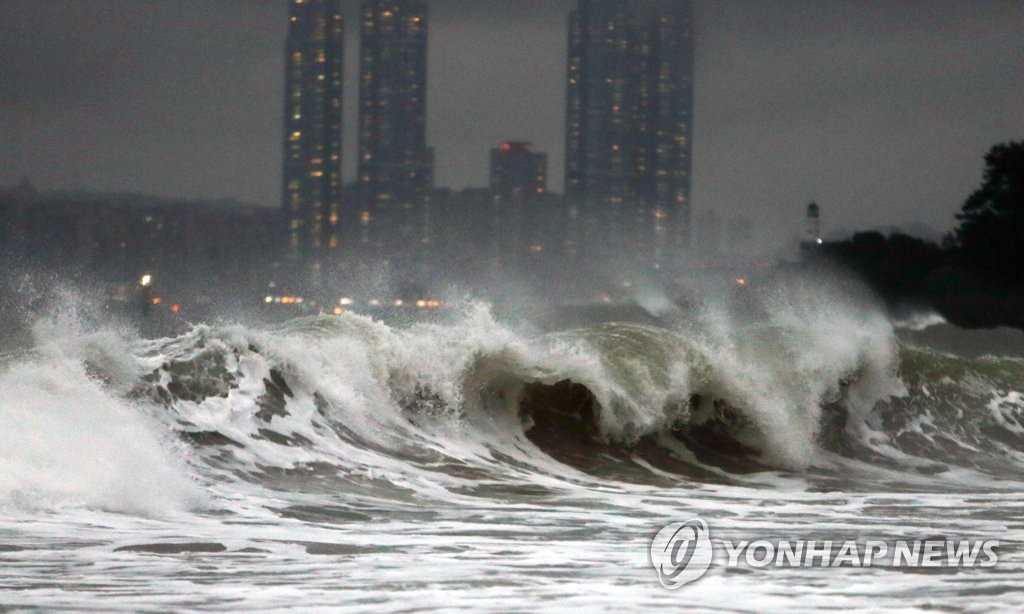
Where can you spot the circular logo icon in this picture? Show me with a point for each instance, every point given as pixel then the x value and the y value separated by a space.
pixel 681 552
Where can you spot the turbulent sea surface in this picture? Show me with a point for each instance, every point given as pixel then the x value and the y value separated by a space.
pixel 338 462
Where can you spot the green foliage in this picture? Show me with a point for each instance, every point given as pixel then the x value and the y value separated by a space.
pixel 976 278
pixel 895 266
pixel 991 231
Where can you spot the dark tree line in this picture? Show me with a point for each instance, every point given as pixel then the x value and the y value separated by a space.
pixel 976 277
pixel 991 232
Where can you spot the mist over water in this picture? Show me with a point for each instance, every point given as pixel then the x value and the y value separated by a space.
pixel 523 455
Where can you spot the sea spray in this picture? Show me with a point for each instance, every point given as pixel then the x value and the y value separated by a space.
pixel 67 441
pixel 71 434
pixel 429 408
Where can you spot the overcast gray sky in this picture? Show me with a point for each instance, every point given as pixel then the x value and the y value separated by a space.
pixel 880 110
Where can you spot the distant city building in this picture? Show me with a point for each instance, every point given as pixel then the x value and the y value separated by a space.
pixel 488 239
pixel 312 120
pixel 629 121
pixel 395 170
pixel 517 173
pixel 221 246
pixel 602 90
pixel 531 221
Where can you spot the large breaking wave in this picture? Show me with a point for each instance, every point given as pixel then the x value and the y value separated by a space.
pixel 349 404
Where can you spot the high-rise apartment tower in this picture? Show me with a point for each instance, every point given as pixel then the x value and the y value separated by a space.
pixel 312 120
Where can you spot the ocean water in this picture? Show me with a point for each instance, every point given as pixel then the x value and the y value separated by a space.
pixel 472 463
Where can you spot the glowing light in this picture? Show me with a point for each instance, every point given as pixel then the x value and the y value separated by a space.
pixel 819 241
pixel 146 280
pixel 157 300
pixel 268 300
pixel 346 301
pixel 338 311
pixel 175 308
pixel 399 303
pixel 374 302
pixel 741 281
pixel 421 303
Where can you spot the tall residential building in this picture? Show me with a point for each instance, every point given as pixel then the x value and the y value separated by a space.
pixel 517 173
pixel 395 171
pixel 666 123
pixel 629 120
pixel 602 98
pixel 312 120
pixel 518 186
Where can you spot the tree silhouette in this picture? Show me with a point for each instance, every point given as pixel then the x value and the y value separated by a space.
pixel 991 231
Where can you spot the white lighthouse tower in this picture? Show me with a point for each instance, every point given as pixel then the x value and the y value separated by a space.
pixel 813 231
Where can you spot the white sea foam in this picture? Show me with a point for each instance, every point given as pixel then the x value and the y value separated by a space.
pixel 347 461
pixel 67 441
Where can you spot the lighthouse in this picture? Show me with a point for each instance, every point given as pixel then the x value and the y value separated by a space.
pixel 813 231
pixel 810 245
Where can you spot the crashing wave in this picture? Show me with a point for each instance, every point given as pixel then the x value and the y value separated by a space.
pixel 348 402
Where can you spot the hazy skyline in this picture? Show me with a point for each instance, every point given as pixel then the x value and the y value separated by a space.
pixel 880 111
